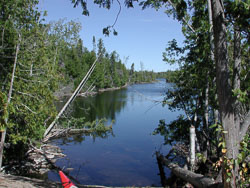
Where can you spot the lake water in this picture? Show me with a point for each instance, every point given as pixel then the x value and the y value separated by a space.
pixel 126 157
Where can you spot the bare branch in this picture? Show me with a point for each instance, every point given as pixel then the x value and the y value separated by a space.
pixel 28 108
pixel 185 21
pixel 28 70
pixel 30 95
pixel 184 107
pixel 117 16
pixel 34 81
pixel 14 70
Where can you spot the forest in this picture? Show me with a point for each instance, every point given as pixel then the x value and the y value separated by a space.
pixel 37 59
pixel 211 84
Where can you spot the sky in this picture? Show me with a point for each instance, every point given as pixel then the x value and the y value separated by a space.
pixel 142 34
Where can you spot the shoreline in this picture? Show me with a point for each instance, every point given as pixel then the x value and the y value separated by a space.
pixel 9 180
pixel 66 91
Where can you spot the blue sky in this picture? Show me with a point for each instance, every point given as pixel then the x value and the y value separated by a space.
pixel 142 34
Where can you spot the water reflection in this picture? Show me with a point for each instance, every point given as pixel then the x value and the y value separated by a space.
pixel 126 159
pixel 80 137
pixel 104 105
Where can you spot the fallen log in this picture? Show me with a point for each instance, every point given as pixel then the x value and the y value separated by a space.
pixel 197 180
pixel 77 131
pixel 73 96
pixel 59 133
pixel 162 173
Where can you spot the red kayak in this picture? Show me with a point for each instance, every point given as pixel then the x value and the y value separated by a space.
pixel 66 183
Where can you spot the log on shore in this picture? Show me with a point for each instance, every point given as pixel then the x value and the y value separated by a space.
pixel 197 180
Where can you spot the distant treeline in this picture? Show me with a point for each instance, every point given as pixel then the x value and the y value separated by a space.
pixel 110 71
pixel 168 75
pixel 36 58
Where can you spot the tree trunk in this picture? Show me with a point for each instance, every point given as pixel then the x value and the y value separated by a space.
pixel 197 180
pixel 161 170
pixel 206 117
pixel 3 134
pixel 224 88
pixel 192 147
pixel 211 36
pixel 236 74
pixel 211 41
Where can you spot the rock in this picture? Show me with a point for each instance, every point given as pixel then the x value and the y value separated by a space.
pixel 50 156
pixel 44 166
pixel 38 160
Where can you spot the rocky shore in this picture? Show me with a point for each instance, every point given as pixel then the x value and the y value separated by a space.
pixel 40 160
pixel 66 91
pixel 37 161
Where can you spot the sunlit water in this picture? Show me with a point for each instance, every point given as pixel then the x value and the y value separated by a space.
pixel 125 158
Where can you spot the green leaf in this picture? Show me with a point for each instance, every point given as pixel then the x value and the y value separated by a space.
pixel 213 126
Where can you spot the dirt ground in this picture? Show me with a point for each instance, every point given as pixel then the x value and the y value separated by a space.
pixel 11 181
pixel 23 182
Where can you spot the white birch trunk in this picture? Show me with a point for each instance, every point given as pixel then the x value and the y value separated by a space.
pixel 192 147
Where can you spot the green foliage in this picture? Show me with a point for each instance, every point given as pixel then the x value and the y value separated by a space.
pixel 176 131
pixel 241 161
pixel 110 72
pixel 243 164
pixel 241 95
pixel 98 128
pixel 200 157
pixel 37 72
pixel 195 82
pixel 3 111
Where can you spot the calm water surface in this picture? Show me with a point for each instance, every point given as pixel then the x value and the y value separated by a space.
pixel 125 158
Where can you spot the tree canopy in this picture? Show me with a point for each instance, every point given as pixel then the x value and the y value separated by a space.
pixel 212 84
pixel 36 59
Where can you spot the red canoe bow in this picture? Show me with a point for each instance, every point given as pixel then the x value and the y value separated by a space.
pixel 66 183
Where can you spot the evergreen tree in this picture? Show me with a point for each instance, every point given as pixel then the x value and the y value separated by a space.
pixel 31 75
pixel 206 53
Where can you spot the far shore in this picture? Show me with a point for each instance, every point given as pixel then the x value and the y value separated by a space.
pixel 67 90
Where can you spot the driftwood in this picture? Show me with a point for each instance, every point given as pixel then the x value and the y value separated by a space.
pixel 52 163
pixel 59 133
pixel 197 180
pixel 162 173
